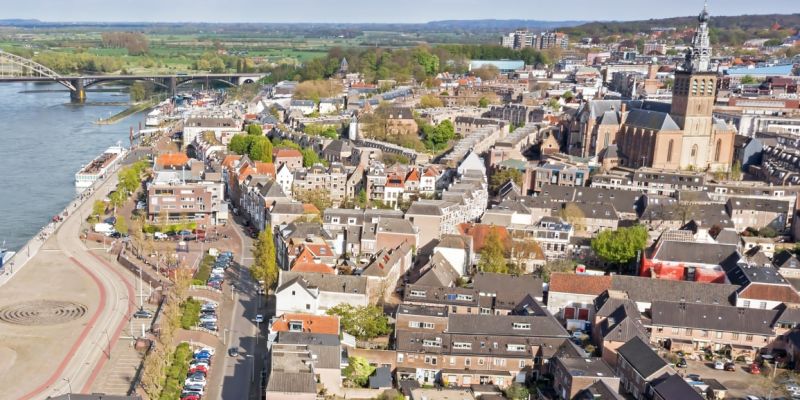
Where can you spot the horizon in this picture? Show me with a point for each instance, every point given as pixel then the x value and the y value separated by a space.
pixel 316 12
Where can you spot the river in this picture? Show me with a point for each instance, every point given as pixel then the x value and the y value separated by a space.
pixel 44 140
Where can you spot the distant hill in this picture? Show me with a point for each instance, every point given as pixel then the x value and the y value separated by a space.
pixel 727 28
pixel 19 22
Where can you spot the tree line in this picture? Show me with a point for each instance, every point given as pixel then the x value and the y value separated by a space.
pixel 136 43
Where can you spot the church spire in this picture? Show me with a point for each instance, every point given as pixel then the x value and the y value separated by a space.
pixel 698 58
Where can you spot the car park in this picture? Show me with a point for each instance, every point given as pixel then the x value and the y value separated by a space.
pixel 208 318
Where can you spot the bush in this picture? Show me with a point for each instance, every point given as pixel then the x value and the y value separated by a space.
pixel 190 313
pixel 204 271
pixel 179 366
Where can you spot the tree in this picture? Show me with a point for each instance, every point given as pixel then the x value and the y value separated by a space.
pixel 363 322
pixel 493 258
pixel 430 101
pixel 517 392
pixel 310 157
pixel 265 267
pixel 767 232
pixel 437 137
pixel 362 198
pixel 550 267
pixel 620 246
pixel 358 371
pixel 483 102
pixel 748 80
pixel 486 72
pixel 568 96
pixel 121 225
pixel 138 91
pixel 98 209
pixel 736 171
pixel 319 198
pixel 501 177
pixel 254 129
pixel 258 148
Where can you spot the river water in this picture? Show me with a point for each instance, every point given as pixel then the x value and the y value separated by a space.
pixel 44 140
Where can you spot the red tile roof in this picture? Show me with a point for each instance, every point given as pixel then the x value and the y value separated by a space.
pixel 230 159
pixel 172 159
pixel 285 153
pixel 782 293
pixel 264 168
pixel 325 324
pixel 579 284
pixel 413 175
pixel 480 232
pixel 309 208
pixel 312 267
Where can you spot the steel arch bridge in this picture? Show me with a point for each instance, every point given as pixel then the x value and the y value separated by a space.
pixel 29 66
pixel 14 68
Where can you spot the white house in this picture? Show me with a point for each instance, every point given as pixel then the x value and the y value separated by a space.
pixel 456 249
pixel 304 106
pixel 285 178
pixel 315 293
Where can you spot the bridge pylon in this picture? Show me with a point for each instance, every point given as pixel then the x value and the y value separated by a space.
pixel 79 94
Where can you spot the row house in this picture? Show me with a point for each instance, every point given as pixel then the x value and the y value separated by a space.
pixel 693 327
pixel 572 375
pixel 316 293
pixel 292 158
pixel 651 181
pixel 196 125
pixel 475 349
pixel 289 240
pixel 260 194
pixel 337 181
pixel 759 213
pixel 386 268
pixel 554 173
pixel 638 366
pixel 434 218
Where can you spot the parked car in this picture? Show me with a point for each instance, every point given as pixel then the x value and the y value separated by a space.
pixel 233 352
pixel 209 350
pixel 196 379
pixel 142 313
pixel 694 377
pixel 198 368
pixel 719 364
pixel 160 236
pixel 755 369
pixel 194 388
pixel 190 396
pixel 577 334
pixel 212 326
pixel 729 366
pixel 208 318
pixel 681 363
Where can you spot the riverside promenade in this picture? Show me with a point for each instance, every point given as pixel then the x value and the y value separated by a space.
pixel 61 307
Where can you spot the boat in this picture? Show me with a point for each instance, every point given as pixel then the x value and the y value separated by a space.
pixel 5 255
pixel 153 118
pixel 98 167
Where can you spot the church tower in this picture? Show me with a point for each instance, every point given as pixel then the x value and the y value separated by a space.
pixel 693 97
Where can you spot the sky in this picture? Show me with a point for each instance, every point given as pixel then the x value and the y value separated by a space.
pixel 379 11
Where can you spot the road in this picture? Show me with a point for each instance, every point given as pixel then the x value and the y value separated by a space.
pixel 70 353
pixel 242 373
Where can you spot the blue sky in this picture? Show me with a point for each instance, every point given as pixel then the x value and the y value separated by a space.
pixel 375 10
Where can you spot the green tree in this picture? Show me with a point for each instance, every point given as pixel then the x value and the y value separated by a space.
pixel 483 102
pixel 98 210
pixel 363 322
pixel 493 257
pixel 748 80
pixel 517 392
pixel 358 371
pixel 362 198
pixel 319 198
pixel 265 267
pixel 437 137
pixel 310 157
pixel 260 149
pixel 138 91
pixel 568 95
pixel 501 177
pixel 736 171
pixel 620 246
pixel 239 144
pixel 550 267
pixel 121 225
pixel 430 101
pixel 254 129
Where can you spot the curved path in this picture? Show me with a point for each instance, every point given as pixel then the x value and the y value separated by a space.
pixel 51 359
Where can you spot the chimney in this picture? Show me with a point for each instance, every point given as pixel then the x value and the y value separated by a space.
pixel 623 107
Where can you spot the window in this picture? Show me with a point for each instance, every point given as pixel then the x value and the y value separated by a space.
pixel 296 326
pixel 427 325
pixel 499 362
pixel 748 338
pixel 417 293
pixel 462 346
pixel 704 333
pixel 452 361
pixel 413 324
pixel 763 305
pixel 467 362
pixel 669 149
pixel 675 331
pixel 735 336
pixel 515 347
pixel 746 304
pixel 521 364
pixel 399 357
pixel 432 343
pixel 520 325
pixel 718 335
pixel 718 150
pixel 480 361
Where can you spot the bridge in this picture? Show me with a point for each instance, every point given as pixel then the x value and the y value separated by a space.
pixel 14 68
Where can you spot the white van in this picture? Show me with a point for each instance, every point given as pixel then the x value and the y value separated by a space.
pixel 103 228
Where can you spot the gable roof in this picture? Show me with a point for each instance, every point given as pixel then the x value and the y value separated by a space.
pixel 641 357
pixel 647 290
pixel 312 267
pixel 713 317
pixel 782 293
pixel 167 160
pixel 654 120
pixel 673 387
pixel 440 273
pixel 348 284
pixel 480 233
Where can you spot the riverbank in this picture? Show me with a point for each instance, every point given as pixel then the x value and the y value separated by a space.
pixel 134 109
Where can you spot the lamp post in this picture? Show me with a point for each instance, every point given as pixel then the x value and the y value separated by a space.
pixel 69 385
pixel 252 367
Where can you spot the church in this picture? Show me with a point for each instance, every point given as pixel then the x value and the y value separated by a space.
pixel 683 135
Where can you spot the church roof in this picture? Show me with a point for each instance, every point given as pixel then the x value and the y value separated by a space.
pixel 720 124
pixel 609 118
pixel 654 120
